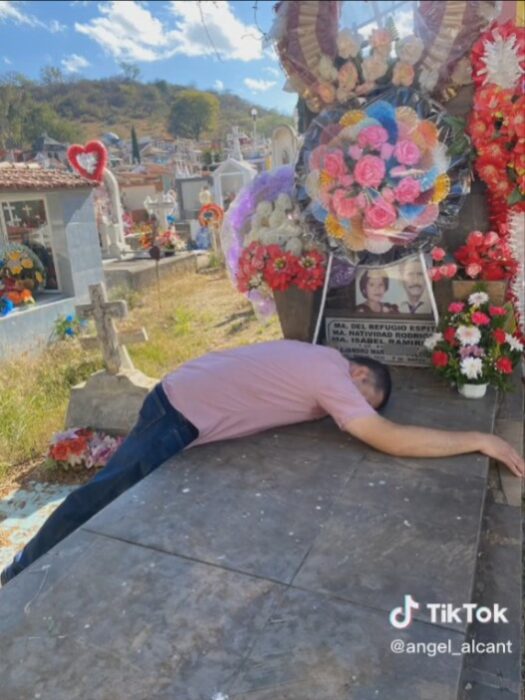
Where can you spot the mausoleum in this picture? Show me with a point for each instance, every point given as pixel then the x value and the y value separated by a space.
pixel 52 213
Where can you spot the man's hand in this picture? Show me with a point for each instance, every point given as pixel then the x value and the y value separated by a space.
pixel 411 441
pixel 501 451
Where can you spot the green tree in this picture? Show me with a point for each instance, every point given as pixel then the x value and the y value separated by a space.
pixel 40 118
pixel 192 113
pixel 51 75
pixel 130 71
pixel 135 150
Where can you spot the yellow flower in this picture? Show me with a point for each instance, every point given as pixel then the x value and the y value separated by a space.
pixel 15 269
pixel 27 263
pixel 441 189
pixel 354 116
pixel 38 277
pixel 325 180
pixel 14 255
pixel 333 227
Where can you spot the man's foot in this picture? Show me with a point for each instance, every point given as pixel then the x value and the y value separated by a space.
pixel 6 575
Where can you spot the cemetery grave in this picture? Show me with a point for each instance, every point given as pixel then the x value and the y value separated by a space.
pixel 298 563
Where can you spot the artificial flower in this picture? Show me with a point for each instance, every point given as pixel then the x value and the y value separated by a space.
pixel 471 367
pixel 407 191
pixel 370 171
pixel 439 358
pixel 504 365
pixel 468 335
pixel 372 137
pixel 431 342
pixel 374 68
pixel 480 319
pixel 381 41
pixel 348 76
pixel 403 74
pixel 407 152
pixel 437 253
pixel 380 215
pixel 499 335
pixel 456 307
pixel 478 298
pixel 449 334
pixel 410 49
pixel 514 343
pixel 348 43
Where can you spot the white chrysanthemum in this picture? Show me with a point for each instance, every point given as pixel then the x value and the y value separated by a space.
pixel 311 184
pixel 431 342
pixel 283 202
pixel 276 218
pixel 513 342
pixel 502 64
pixel 478 298
pixel 264 209
pixel 471 367
pixel 468 335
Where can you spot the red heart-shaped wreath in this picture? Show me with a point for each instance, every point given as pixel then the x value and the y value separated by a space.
pixel 96 152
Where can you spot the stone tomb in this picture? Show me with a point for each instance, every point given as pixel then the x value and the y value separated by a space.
pixel 110 399
pixel 52 212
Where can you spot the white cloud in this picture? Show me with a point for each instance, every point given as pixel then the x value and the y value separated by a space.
pixel 74 63
pixel 218 85
pixel 128 31
pixel 55 26
pixel 9 12
pixel 256 85
pixel 212 28
pixel 273 71
pixel 7 61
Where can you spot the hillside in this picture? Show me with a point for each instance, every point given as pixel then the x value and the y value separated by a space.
pixel 96 106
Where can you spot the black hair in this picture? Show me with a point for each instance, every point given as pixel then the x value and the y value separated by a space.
pixel 380 375
pixel 363 281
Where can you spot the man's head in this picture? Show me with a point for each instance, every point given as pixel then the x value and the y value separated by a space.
pixel 373 380
pixel 413 280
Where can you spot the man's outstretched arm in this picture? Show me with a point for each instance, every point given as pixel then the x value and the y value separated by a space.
pixel 412 441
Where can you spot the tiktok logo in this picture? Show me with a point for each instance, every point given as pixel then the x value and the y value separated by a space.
pixel 401 617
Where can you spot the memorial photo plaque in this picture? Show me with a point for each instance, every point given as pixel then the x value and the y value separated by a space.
pixel 385 313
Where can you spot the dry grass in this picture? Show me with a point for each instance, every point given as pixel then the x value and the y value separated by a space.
pixel 199 313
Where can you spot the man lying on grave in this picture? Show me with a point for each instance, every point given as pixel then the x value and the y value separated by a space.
pixel 241 391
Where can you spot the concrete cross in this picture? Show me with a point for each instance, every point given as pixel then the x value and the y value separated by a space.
pixel 116 357
pixel 9 209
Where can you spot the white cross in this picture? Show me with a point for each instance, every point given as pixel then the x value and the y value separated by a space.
pixel 28 210
pixel 9 208
pixel 116 357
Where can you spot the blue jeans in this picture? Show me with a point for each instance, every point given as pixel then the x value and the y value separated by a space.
pixel 160 433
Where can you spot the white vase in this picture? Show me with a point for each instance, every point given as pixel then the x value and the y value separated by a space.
pixel 473 391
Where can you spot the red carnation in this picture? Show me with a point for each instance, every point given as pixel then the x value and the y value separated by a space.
pixel 439 358
pixel 450 335
pixel 497 311
pixel 280 268
pixel 480 319
pixel 499 335
pixel 504 365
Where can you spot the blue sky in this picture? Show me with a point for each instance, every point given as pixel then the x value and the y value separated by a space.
pixel 167 40
pixel 213 44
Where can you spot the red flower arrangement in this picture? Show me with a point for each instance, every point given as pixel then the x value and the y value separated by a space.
pixel 472 345
pixel 485 256
pixel 270 265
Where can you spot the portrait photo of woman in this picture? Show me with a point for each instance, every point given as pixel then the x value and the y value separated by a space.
pixel 373 285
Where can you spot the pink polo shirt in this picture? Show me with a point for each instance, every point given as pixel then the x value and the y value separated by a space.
pixel 231 393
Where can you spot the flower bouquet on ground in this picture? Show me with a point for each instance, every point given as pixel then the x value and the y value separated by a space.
pixel 170 241
pixel 472 345
pixel 82 448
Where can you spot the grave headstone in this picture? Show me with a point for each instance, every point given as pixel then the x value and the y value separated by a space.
pixel 109 400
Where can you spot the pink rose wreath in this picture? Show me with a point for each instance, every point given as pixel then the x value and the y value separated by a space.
pixel 378 180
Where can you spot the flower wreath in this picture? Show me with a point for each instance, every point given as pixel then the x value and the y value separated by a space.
pixel 266 249
pixel 375 178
